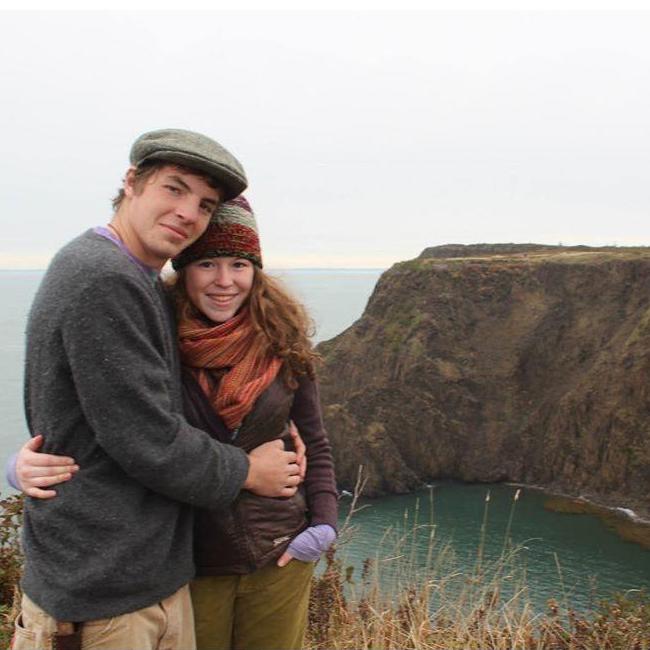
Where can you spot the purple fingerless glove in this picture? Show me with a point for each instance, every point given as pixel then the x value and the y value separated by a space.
pixel 312 542
pixel 10 471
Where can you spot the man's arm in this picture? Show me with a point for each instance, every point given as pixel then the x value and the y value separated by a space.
pixel 118 348
pixel 31 471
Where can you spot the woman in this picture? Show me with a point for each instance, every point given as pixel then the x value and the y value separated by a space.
pixel 248 369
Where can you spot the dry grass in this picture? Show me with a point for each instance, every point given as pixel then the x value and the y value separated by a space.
pixel 11 562
pixel 426 616
pixel 397 604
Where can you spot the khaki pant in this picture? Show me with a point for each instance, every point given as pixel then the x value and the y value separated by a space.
pixel 167 625
pixel 264 610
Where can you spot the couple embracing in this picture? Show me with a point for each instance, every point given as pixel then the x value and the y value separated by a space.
pixel 183 515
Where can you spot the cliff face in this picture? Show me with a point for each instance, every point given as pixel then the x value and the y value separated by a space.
pixel 499 364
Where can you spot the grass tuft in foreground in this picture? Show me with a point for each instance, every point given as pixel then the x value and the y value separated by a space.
pixel 425 616
pixel 397 605
pixel 11 562
pixel 400 602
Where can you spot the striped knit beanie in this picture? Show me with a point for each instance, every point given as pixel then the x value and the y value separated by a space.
pixel 232 232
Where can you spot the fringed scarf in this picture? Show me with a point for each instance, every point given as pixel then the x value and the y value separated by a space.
pixel 229 346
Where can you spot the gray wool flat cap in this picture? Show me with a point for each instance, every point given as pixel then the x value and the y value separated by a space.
pixel 194 150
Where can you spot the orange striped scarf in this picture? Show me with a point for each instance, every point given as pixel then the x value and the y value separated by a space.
pixel 229 346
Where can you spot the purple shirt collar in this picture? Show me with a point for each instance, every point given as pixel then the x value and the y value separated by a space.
pixel 102 231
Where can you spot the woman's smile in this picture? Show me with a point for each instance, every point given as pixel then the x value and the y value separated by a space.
pixel 219 286
pixel 222 299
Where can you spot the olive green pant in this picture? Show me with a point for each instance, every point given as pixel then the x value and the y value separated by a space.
pixel 264 610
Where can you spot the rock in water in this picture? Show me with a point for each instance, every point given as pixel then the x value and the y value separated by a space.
pixel 499 363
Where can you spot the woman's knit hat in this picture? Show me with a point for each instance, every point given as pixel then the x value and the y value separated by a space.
pixel 232 232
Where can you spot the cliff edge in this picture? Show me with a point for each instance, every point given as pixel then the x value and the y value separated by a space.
pixel 499 362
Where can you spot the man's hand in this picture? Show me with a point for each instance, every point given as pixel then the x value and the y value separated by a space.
pixel 273 472
pixel 36 471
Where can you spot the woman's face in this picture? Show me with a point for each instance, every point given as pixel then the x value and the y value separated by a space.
pixel 219 286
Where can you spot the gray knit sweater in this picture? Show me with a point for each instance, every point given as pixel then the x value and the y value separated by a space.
pixel 102 383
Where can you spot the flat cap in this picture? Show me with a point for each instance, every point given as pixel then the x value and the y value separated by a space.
pixel 195 151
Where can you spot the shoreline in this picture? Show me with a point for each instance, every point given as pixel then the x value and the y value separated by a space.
pixel 625 522
pixel 620 511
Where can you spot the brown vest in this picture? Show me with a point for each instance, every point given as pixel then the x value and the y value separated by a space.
pixel 255 530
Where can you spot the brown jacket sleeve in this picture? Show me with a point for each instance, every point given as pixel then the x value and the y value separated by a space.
pixel 320 483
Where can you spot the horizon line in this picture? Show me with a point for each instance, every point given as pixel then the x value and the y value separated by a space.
pixel 274 268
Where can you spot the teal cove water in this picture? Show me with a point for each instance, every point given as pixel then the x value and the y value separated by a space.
pixel 564 555
pixel 452 532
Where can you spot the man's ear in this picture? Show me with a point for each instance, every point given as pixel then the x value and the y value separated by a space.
pixel 128 184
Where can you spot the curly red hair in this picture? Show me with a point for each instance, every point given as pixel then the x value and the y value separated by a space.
pixel 282 324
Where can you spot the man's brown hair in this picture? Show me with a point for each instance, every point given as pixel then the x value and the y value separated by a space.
pixel 146 170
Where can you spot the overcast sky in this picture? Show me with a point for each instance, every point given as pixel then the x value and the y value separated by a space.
pixel 366 136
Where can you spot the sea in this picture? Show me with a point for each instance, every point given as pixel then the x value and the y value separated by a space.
pixel 452 533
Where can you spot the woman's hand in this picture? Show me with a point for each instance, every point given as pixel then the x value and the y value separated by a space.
pixel 309 545
pixel 36 471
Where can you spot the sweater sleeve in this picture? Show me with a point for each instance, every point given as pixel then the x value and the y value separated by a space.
pixel 119 347
pixel 11 474
pixel 320 483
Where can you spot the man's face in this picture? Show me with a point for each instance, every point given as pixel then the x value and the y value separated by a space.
pixel 169 212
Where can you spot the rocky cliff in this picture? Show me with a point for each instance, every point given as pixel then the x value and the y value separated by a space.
pixel 499 363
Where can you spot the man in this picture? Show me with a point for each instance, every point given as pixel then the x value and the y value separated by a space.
pixel 108 560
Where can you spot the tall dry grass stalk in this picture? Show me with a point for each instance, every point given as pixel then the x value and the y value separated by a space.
pixel 399 602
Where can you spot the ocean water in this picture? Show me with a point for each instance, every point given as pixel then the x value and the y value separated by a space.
pixel 17 289
pixel 572 558
pixel 334 299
